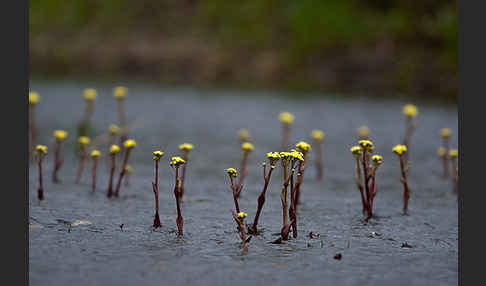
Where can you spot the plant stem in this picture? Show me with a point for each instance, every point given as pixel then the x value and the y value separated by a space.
pixel 95 163
pixel 82 158
pixel 285 136
pixel 243 174
pixel 235 198
pixel 122 172
pixel 112 172
pixel 360 185
pixel 261 201
pixel 406 190
pixel 178 195
pixel 445 159
pixel 183 178
pixel 156 193
pixel 319 161
pixel 40 191
pixel 57 162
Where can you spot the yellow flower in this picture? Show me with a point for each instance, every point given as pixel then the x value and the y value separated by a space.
pixel 367 145
pixel 114 149
pixel 244 134
pixel 83 140
pixel 410 110
pixel 441 152
pixel 232 172
pixel 186 147
pixel 242 215
pixel 176 161
pixel 114 129
pixel 129 144
pixel 286 117
pixel 273 157
pixel 247 147
pixel 356 150
pixel 284 156
pixel 317 135
pixel 95 153
pixel 128 169
pixel 363 131
pixel 89 94
pixel 377 160
pixel 295 155
pixel 399 149
pixel 453 153
pixel 60 134
pixel 41 149
pixel 303 146
pixel 33 97
pixel 158 155
pixel 445 133
pixel 119 92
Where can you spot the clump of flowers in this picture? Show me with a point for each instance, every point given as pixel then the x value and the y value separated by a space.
pixel 119 93
pixel 94 154
pixel 445 134
pixel 240 219
pixel 89 95
pixel 33 101
pixel 155 186
pixel 246 148
pixel 114 149
pixel 363 132
pixel 185 148
pixel 41 152
pixel 410 112
pixel 400 151
pixel 286 118
pixel 232 173
pixel 176 162
pixel 59 136
pixel 83 142
pixel 129 144
pixel 318 137
pixel 273 158
pixel 366 166
pixel 244 135
pixel 453 153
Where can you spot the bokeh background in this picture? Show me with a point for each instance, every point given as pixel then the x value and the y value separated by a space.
pixel 381 47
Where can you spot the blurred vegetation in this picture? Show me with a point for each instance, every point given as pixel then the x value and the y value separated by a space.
pixel 375 46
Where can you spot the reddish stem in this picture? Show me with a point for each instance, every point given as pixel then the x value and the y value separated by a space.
pixel 183 178
pixel 178 195
pixel 109 193
pixel 261 201
pixel 319 162
pixel 82 158
pixel 235 197
pixel 406 190
pixel 156 192
pixel 40 191
pixel 57 162
pixel 243 174
pixel 95 163
pixel 122 172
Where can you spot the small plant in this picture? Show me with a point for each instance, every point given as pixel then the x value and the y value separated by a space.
pixel 119 93
pixel 95 154
pixel 89 95
pixel 240 219
pixel 304 149
pixel 59 136
pixel 445 134
pixel 273 158
pixel 129 144
pixel 113 131
pixel 363 132
pixel 175 163
pixel 33 100
pixel 129 171
pixel 286 118
pixel 410 111
pixel 41 152
pixel 114 149
pixel 400 150
pixel 318 137
pixel 244 135
pixel 233 174
pixel 83 142
pixel 453 153
pixel 246 147
pixel 185 148
pixel 155 187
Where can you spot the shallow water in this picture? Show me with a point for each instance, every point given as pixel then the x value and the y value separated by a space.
pixel 98 252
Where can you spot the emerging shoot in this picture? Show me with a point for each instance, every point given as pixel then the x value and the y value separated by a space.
pixel 41 152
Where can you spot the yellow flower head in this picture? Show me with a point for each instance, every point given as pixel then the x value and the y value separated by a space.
pixel 363 131
pixel 186 147
pixel 247 147
pixel 41 149
pixel 33 97
pixel 242 215
pixel 356 150
pixel 317 135
pixel 410 110
pixel 285 156
pixel 114 149
pixel 286 117
pixel 453 153
pixel 303 146
pixel 90 94
pixel 119 92
pixel 367 145
pixel 244 134
pixel 176 162
pixel 83 140
pixel 129 144
pixel 273 157
pixel 128 169
pixel 158 155
pixel 377 160
pixel 95 153
pixel 60 134
pixel 441 152
pixel 295 155
pixel 232 172
pixel 399 149
pixel 445 133
pixel 113 129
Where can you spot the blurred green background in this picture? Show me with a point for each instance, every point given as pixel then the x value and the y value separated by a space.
pixel 369 46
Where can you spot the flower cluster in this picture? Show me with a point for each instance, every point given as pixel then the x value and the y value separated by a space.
pixel 363 131
pixel 303 147
pixel 247 147
pixel 410 110
pixel 317 135
pixel 441 152
pixel 176 162
pixel 445 133
pixel 356 150
pixel 157 155
pixel 273 157
pixel 33 97
pixel 399 149
pixel 41 149
pixel 83 140
pixel 129 144
pixel 186 147
pixel 242 215
pixel 286 117
pixel 119 92
pixel 453 153
pixel 114 149
pixel 89 94
pixel 377 160
pixel 114 129
pixel 367 145
pixel 60 135
pixel 232 172
pixel 95 153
